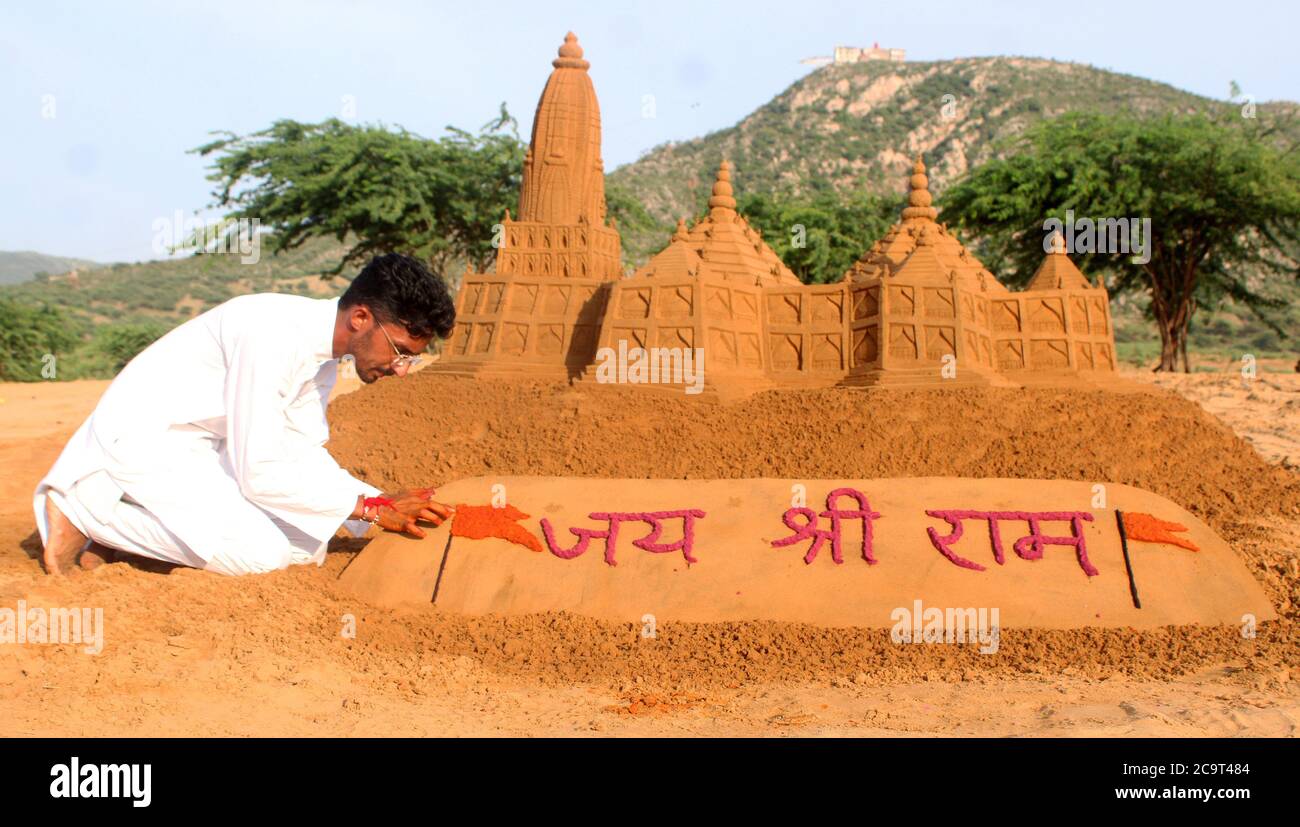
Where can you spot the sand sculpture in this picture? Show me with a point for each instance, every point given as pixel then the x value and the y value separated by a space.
pixel 917 308
pixel 836 553
pixel 705 290
pixel 539 313
pixel 919 298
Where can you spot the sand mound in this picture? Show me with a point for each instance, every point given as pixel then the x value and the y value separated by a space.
pixel 192 653
pixel 439 428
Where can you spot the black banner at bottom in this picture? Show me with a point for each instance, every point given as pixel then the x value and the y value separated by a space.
pixel 332 777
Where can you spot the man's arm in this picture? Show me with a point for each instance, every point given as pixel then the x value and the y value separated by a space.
pixel 304 487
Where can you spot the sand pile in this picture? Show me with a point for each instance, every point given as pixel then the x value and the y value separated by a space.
pixel 437 428
pixel 191 653
pixel 738 550
pixel 431 428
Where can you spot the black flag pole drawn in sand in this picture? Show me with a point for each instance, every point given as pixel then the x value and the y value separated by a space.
pixel 443 567
pixel 1128 564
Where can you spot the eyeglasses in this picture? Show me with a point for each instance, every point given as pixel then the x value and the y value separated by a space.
pixel 401 361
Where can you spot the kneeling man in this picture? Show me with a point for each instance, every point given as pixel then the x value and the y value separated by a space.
pixel 208 449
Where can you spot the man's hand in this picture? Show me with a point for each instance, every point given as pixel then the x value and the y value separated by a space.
pixel 409 507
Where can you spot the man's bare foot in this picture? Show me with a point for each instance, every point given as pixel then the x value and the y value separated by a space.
pixel 96 555
pixel 63 542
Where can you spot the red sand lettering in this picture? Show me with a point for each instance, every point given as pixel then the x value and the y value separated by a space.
pixel 810 531
pixel 1029 547
pixel 610 534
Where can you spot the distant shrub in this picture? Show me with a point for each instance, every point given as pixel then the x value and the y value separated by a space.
pixel 119 343
pixel 28 336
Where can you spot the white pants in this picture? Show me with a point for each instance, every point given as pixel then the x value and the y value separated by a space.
pixel 135 530
pixel 239 537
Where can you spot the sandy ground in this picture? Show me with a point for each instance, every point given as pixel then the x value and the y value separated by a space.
pixel 187 653
pixel 1264 410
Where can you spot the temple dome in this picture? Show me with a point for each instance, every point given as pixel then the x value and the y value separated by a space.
pixel 732 248
pixel 948 261
pixel 1057 271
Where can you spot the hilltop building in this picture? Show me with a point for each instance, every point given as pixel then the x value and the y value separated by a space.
pixel 855 54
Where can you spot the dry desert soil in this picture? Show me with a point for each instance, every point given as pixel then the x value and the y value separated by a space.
pixel 191 653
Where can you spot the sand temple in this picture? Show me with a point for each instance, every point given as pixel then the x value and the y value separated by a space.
pixel 918 308
pixel 539 314
pixel 919 299
pixel 706 289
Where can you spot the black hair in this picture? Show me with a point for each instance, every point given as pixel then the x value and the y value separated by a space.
pixel 402 289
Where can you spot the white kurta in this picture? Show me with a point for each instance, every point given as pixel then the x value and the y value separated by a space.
pixel 208 449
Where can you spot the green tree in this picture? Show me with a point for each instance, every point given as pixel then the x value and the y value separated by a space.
pixel 1223 202
pixel 635 224
pixel 819 238
pixel 29 335
pixel 384 190
pixel 119 343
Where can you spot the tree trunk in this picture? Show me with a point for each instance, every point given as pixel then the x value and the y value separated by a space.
pixel 1173 283
pixel 1172 333
pixel 1170 346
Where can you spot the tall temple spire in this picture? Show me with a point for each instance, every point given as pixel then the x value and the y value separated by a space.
pixel 722 203
pixel 570 54
pixel 918 200
pixel 564 175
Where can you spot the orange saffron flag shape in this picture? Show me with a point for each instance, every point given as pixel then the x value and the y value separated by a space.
pixel 1151 529
pixel 480 521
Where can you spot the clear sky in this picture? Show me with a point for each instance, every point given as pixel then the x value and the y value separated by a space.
pixel 132 85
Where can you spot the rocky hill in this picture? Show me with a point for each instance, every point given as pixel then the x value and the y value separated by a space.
pixel 855 127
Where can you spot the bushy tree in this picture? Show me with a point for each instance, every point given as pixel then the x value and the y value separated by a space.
pixel 383 190
pixel 29 335
pixel 119 344
pixel 821 237
pixel 1223 201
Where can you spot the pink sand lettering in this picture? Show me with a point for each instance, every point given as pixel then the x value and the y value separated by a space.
pixel 651 541
pixel 584 535
pixel 1029 547
pixel 613 519
pixel 809 529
